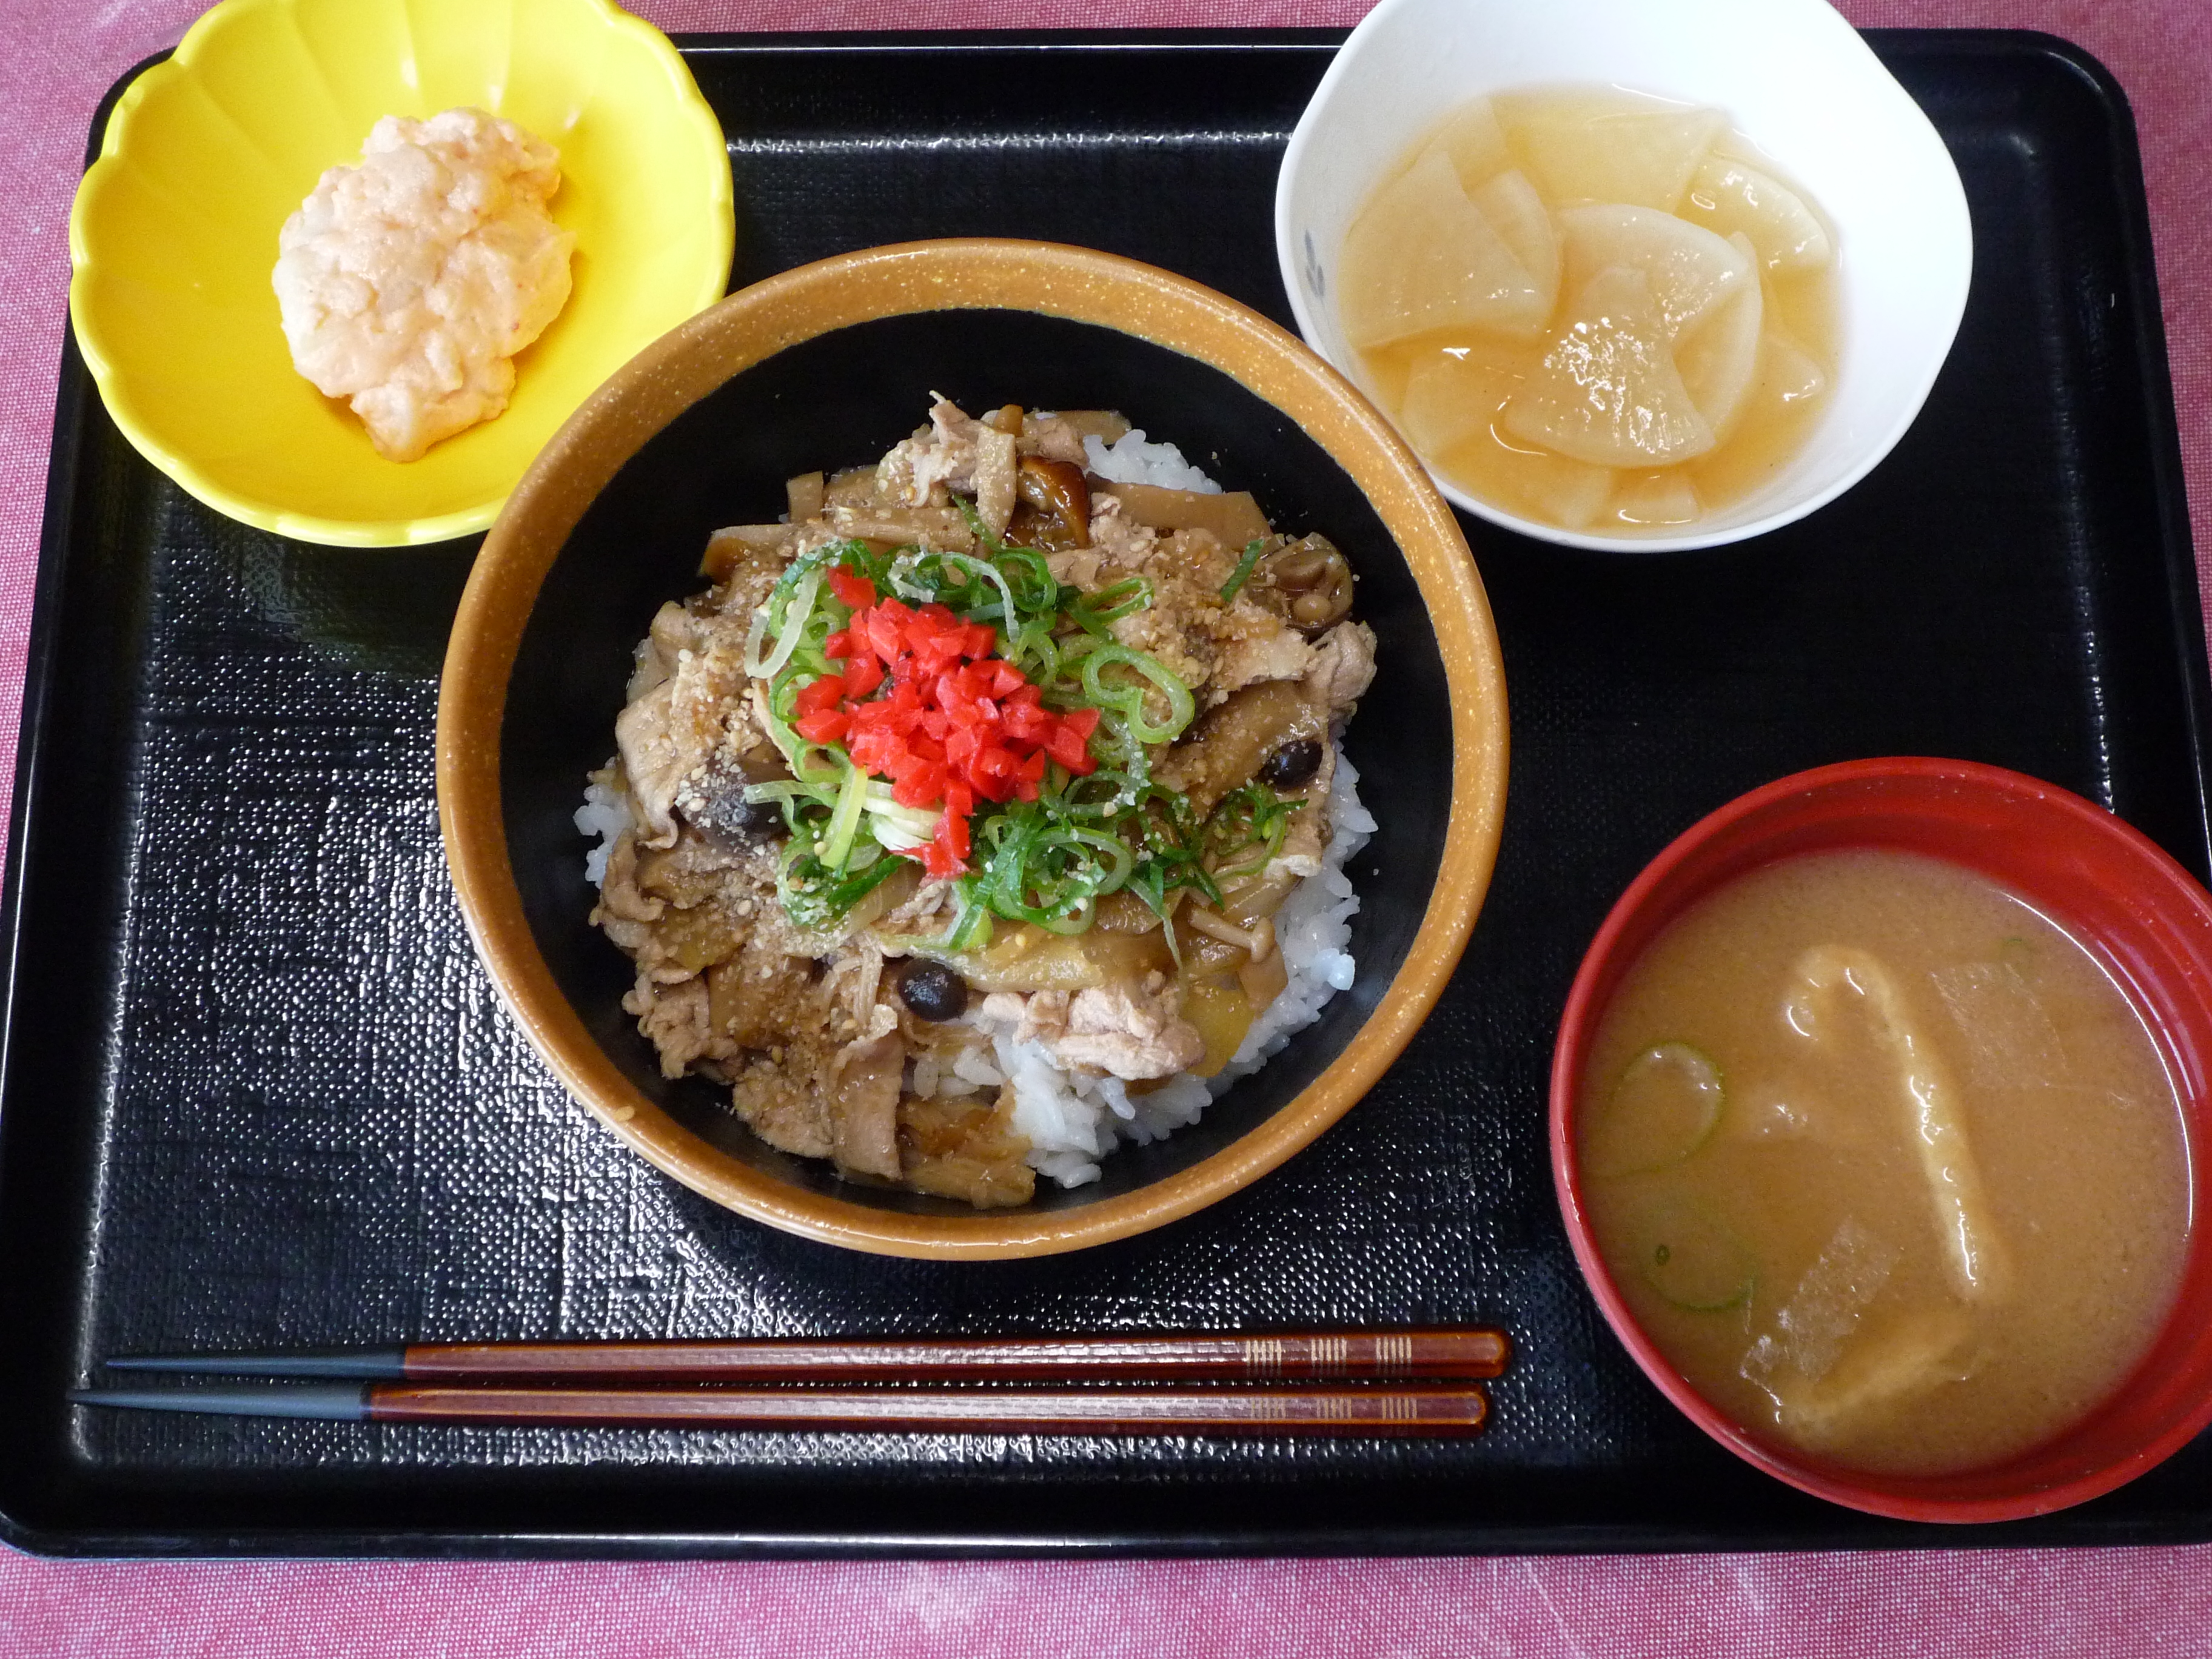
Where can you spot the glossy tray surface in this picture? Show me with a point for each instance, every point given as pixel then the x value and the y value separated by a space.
pixel 257 1094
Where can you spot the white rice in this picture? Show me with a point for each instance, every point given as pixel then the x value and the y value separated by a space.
pixel 604 813
pixel 1130 460
pixel 1073 1121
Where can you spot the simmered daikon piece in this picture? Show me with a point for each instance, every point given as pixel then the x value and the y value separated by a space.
pixel 1781 408
pixel 1475 143
pixel 1913 1356
pixel 1534 195
pixel 1423 257
pixel 1727 197
pixel 1719 360
pixel 1657 499
pixel 1517 214
pixel 1692 271
pixel 1455 392
pixel 1788 374
pixel 1609 146
pixel 1572 493
pixel 1607 392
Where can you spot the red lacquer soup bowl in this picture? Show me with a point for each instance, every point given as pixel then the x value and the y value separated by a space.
pixel 2127 902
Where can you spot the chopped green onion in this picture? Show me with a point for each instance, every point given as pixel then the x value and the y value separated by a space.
pixel 818 897
pixel 1094 612
pixel 985 537
pixel 1129 700
pixel 788 608
pixel 1048 861
pixel 898 829
pixel 793 798
pixel 1244 568
pixel 1149 883
pixel 970 930
pixel 845 820
pixel 1250 815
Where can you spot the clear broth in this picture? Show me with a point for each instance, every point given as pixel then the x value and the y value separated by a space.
pixel 1459 431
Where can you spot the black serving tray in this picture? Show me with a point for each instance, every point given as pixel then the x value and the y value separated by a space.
pixel 256 1092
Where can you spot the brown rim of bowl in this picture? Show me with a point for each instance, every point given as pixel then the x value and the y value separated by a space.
pixel 756 323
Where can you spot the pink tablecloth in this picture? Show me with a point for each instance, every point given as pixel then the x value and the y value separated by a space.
pixel 55 59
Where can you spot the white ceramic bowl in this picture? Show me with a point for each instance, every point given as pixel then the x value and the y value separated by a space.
pixel 1792 75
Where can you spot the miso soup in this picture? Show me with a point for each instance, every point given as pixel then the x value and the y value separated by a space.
pixel 1884 1162
pixel 1600 310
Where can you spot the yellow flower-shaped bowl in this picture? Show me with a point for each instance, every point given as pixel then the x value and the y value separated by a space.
pixel 174 238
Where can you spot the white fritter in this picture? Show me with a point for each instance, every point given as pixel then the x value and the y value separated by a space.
pixel 408 283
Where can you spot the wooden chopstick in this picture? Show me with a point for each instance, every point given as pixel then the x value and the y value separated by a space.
pixel 1461 1354
pixel 1405 1382
pixel 1397 1412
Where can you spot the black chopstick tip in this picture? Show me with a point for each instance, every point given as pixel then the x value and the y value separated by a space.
pixel 135 1399
pixel 320 1401
pixel 366 1364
